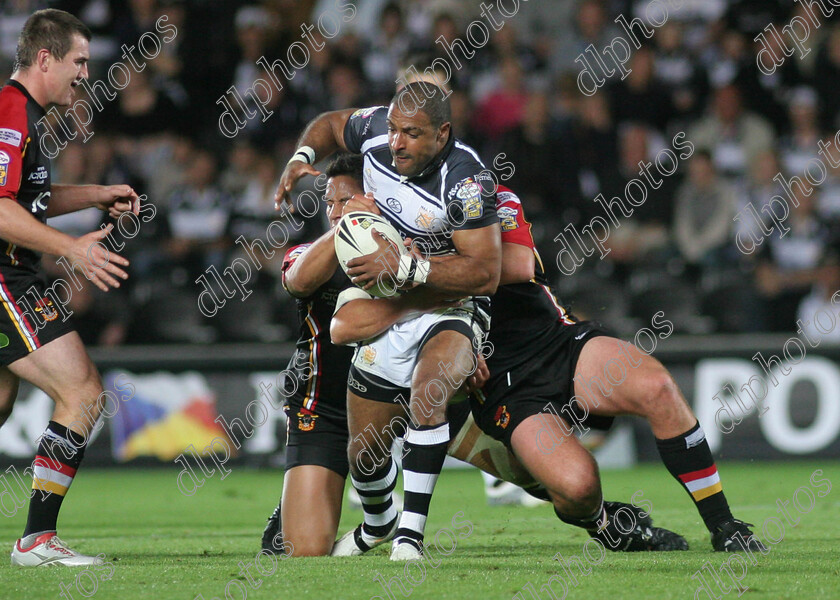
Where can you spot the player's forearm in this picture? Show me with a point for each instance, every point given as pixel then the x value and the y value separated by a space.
pixel 19 227
pixel 360 320
pixel 70 198
pixel 465 275
pixel 314 267
pixel 325 133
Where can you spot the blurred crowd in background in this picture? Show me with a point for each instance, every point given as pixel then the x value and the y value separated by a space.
pixel 519 96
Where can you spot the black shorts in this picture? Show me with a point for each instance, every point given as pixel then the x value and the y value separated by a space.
pixel 507 401
pixel 315 439
pixel 28 318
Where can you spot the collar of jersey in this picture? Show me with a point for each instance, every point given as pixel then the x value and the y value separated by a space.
pixel 25 92
pixel 437 161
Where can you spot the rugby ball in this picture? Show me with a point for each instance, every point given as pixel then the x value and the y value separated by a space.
pixel 354 238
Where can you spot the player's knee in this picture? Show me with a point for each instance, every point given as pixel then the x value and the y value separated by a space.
pixel 365 459
pixel 585 492
pixel 310 545
pixel 312 548
pixel 661 389
pixel 580 484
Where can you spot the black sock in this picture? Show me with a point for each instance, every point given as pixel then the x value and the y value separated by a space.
pixel 689 459
pixel 60 453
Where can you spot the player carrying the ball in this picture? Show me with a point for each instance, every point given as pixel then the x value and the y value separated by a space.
pixel 427 184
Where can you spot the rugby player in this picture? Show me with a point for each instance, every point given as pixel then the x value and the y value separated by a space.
pixel 549 371
pixel 317 432
pixel 317 435
pixel 35 345
pixel 360 319
pixel 424 181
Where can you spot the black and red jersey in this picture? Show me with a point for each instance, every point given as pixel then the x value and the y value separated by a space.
pixel 24 167
pixel 320 366
pixel 525 316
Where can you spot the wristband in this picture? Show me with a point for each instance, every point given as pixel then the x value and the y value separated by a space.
pixel 304 154
pixel 412 269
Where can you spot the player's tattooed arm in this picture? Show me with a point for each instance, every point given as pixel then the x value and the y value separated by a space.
pixel 313 268
pixel 324 135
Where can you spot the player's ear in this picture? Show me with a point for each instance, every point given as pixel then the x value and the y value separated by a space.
pixel 43 59
pixel 443 132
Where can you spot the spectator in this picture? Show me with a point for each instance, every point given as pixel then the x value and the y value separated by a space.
pixel 703 216
pixel 789 265
pixel 734 135
pixel 197 214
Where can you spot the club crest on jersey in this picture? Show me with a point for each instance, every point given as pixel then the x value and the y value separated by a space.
pixel 394 205
pixel 424 219
pixel 469 193
pixel 368 355
pixel 46 309
pixel 306 421
pixel 507 217
pixel 502 417
pixel 5 159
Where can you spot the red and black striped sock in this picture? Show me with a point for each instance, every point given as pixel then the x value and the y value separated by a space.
pixel 60 453
pixel 689 459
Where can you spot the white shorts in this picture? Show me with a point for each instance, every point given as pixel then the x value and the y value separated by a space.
pixel 382 368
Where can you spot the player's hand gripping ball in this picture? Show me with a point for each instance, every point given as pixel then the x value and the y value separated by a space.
pixel 354 238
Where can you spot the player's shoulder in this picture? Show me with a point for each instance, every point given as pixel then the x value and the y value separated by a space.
pixel 369 112
pixel 463 167
pixel 14 123
pixel 367 120
pixel 506 196
pixel 363 125
pixel 464 156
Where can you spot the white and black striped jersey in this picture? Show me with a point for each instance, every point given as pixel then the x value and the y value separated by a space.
pixel 454 192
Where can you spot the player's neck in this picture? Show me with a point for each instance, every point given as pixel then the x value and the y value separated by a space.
pixel 33 85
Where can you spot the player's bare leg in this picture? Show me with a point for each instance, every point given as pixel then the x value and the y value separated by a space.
pixel 646 389
pixel 428 436
pixel 373 426
pixel 570 475
pixel 567 470
pixel 63 370
pixel 311 490
pixel 9 383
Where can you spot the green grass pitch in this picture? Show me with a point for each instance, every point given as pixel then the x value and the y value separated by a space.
pixel 164 545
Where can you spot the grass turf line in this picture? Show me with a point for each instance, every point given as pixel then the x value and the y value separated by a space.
pixel 167 546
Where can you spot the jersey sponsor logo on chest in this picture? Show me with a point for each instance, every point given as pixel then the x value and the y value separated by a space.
pixel 38 176
pixel 329 296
